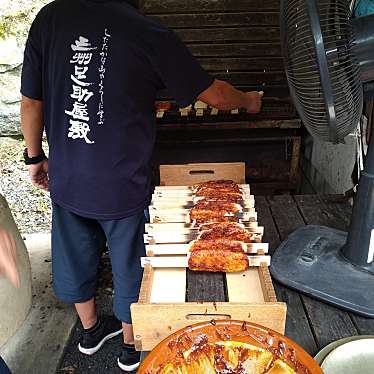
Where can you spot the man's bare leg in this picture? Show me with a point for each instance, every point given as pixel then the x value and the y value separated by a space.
pixel 88 317
pixel 87 313
pixel 128 335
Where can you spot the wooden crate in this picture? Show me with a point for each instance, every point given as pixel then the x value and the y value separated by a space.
pixel 189 174
pixel 162 308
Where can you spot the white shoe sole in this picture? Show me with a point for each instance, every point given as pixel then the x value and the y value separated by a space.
pixel 91 351
pixel 127 367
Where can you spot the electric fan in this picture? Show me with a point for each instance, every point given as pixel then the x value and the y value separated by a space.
pixel 328 56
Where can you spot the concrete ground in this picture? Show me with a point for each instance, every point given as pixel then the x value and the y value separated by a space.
pixel 47 341
pixel 102 362
pixel 38 346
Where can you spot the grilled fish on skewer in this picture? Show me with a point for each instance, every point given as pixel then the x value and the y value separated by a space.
pixel 208 215
pixel 211 193
pixel 231 233
pixel 218 260
pixel 209 226
pixel 218 244
pixel 219 205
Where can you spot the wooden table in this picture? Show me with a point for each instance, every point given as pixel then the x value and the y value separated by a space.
pixel 311 323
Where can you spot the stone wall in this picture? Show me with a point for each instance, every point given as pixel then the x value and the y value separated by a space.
pixel 16 17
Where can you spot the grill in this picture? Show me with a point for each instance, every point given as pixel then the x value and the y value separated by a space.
pixel 237 41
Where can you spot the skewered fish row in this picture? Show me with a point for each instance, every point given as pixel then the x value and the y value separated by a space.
pixel 222 242
pixel 222 246
pixel 214 203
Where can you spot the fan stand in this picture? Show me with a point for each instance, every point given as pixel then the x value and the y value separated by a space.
pixel 332 265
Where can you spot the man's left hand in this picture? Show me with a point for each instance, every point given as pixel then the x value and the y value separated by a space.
pixel 39 175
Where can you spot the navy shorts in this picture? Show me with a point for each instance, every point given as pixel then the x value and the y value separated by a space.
pixel 76 249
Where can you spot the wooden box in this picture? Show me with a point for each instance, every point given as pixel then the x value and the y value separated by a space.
pixel 162 308
pixel 165 304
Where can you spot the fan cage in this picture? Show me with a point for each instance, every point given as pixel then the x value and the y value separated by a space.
pixel 304 73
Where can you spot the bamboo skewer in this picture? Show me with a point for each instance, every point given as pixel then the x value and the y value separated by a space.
pixel 183 216
pixel 187 202
pixel 183 188
pixel 183 249
pixel 184 228
pixel 177 237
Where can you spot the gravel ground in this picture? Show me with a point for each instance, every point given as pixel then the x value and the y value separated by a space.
pixel 30 206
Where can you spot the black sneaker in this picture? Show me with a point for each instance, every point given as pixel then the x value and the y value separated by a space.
pixel 94 338
pixel 129 359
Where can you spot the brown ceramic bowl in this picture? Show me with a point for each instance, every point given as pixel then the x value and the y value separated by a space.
pixel 238 331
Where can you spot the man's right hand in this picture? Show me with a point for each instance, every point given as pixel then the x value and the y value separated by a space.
pixel 254 101
pixel 224 96
pixel 39 175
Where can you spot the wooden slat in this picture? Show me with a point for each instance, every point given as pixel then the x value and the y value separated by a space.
pixel 172 280
pixel 297 326
pixel 183 249
pixel 365 326
pixel 264 215
pixel 271 91
pixel 267 284
pixel 335 213
pixel 244 78
pixel 274 124
pixel 315 211
pixel 250 49
pixel 158 204
pixel 328 323
pixel 181 227
pixel 286 215
pixel 193 233
pixel 250 216
pixel 218 19
pixel 198 6
pixel 253 64
pixel 245 287
pixel 146 286
pixel 182 261
pixel 245 188
pixel 186 203
pixel 340 207
pixel 156 210
pixel 295 161
pixel 242 34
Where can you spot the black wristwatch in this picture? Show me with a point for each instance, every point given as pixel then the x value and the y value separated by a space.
pixel 33 160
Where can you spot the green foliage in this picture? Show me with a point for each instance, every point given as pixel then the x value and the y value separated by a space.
pixel 43 205
pixel 10 25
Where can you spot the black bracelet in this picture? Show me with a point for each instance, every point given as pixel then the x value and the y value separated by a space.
pixel 33 160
